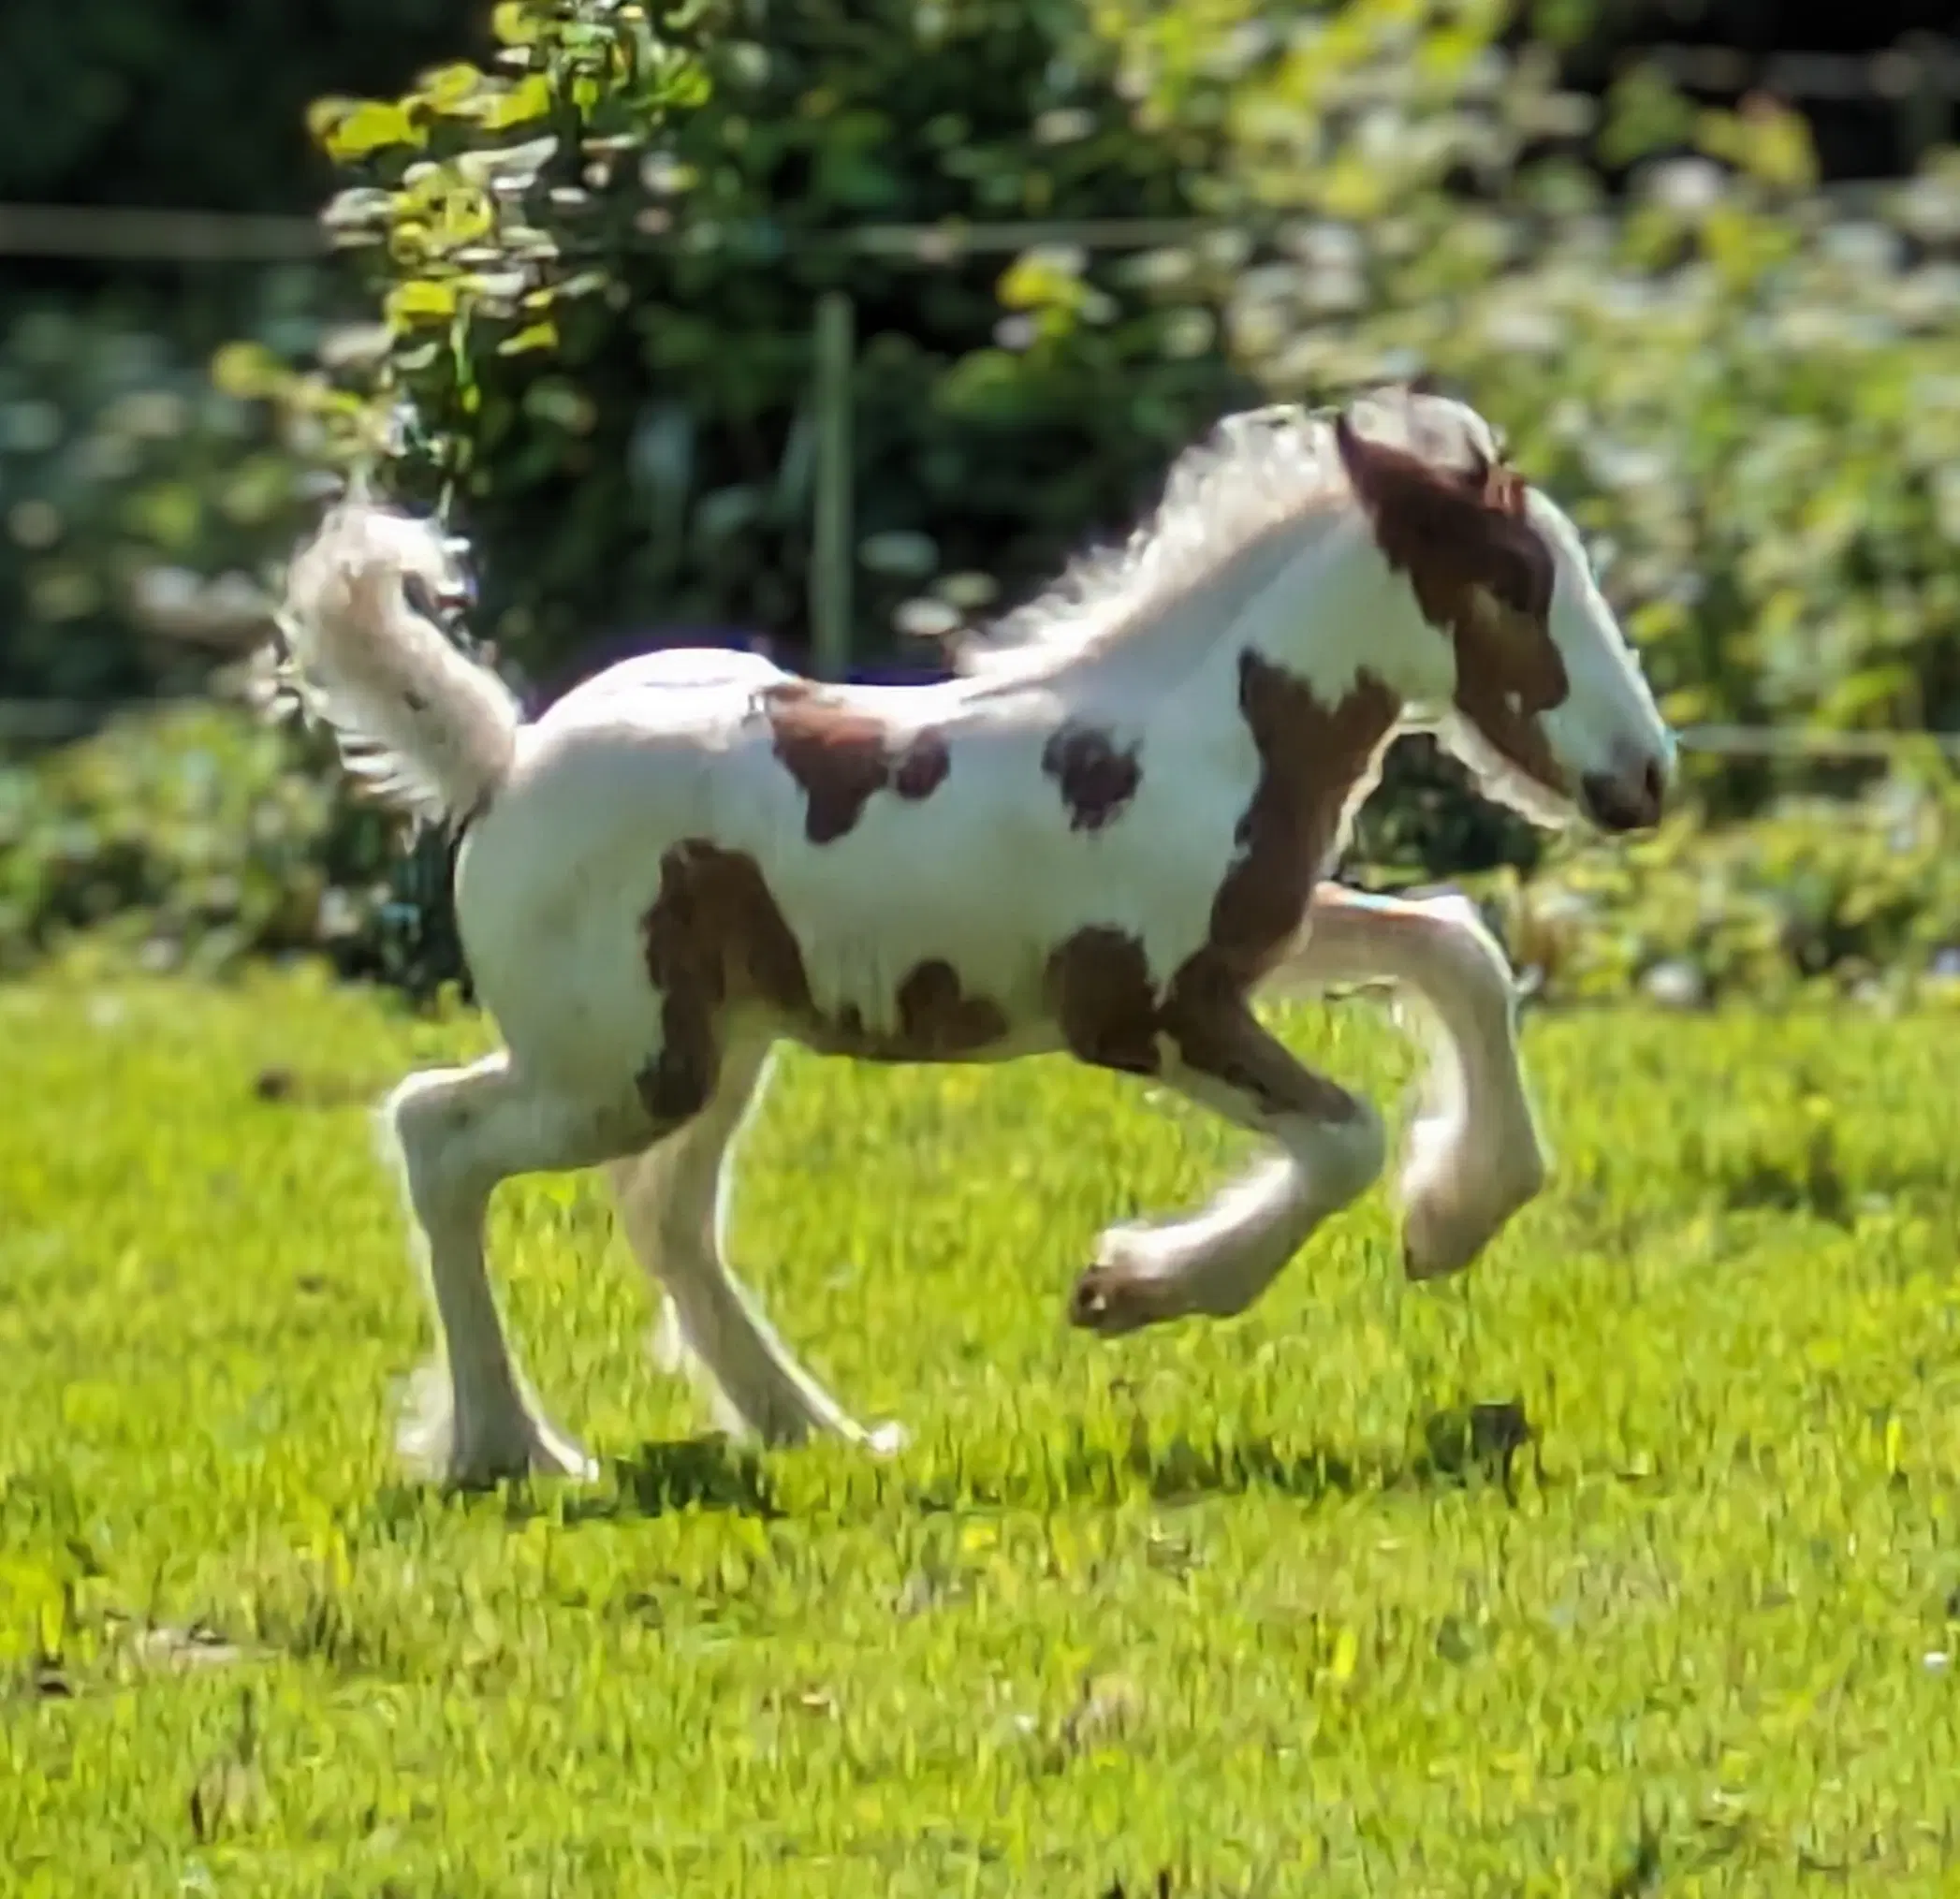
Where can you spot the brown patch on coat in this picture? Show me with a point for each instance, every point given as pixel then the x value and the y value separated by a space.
pixel 1110 1009
pixel 1219 1036
pixel 1103 1001
pixel 714 938
pixel 1112 1017
pixel 1482 574
pixel 843 757
pixel 1310 758
pixel 937 1021
pixel 1097 777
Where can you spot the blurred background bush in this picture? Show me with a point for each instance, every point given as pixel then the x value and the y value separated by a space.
pixel 1709 284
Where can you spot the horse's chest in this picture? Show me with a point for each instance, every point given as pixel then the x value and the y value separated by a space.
pixel 1257 909
pixel 1285 840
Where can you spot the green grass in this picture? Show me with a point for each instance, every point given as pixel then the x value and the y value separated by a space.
pixel 1258 1603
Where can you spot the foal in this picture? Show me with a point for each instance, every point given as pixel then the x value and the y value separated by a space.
pixel 1102 837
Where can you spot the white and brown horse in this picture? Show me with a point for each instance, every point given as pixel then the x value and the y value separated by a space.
pixel 1102 838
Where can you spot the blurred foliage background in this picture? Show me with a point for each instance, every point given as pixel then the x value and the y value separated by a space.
pixel 579 248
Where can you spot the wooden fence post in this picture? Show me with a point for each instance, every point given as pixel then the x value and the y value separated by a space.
pixel 830 554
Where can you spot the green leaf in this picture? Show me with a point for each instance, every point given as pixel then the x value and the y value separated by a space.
pixel 370 126
pixel 516 23
pixel 452 89
pixel 533 336
pixel 247 370
pixel 422 300
pixel 530 99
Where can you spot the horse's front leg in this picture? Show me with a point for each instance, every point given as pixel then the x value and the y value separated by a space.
pixel 1220 1259
pixel 1474 1156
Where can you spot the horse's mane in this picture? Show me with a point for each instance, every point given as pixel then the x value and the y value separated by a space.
pixel 1256 471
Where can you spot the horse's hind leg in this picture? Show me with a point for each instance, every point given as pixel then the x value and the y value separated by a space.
pixel 456 1135
pixel 673 1204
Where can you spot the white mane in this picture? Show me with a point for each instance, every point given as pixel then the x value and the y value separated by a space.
pixel 1256 472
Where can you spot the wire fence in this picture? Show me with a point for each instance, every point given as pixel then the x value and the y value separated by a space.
pixel 1921 77
pixel 95 234
pixel 83 234
pixel 40 722
pixel 1920 65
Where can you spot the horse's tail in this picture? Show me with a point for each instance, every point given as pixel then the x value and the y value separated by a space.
pixel 423 725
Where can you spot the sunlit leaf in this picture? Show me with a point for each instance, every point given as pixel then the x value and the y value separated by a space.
pixel 516 23
pixel 519 105
pixel 533 336
pixel 421 299
pixel 370 126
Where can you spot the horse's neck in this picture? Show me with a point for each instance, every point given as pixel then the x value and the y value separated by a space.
pixel 1290 700
pixel 1147 673
pixel 1317 629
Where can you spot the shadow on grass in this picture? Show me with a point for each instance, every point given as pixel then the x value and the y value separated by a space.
pixel 692 1473
pixel 1456 1445
pixel 687 1474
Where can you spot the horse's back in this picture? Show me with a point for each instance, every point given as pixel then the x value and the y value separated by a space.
pixel 657 685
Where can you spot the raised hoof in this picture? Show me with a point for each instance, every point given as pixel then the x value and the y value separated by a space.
pixel 1109 1302
pixel 1439 1246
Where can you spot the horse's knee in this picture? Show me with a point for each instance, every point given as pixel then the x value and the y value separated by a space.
pixel 1344 1156
pixel 424 1126
pixel 1462 950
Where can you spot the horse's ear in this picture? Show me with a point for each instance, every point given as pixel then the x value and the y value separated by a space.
pixel 1481 467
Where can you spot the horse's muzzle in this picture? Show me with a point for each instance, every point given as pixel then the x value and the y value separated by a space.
pixel 1624 801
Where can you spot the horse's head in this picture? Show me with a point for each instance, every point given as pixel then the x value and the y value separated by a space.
pixel 1524 670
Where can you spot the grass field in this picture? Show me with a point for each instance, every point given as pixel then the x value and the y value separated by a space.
pixel 1273 1606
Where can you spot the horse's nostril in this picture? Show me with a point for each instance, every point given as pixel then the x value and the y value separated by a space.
pixel 1655 785
pixel 1618 804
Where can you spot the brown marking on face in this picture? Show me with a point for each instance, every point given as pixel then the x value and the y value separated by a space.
pixel 1097 777
pixel 1482 574
pixel 1103 1001
pixel 842 757
pixel 1508 675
